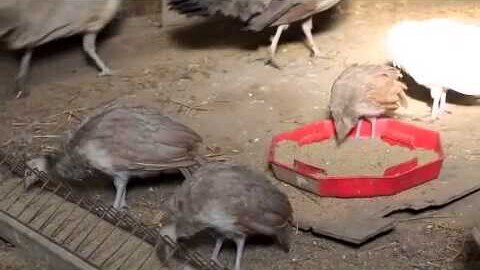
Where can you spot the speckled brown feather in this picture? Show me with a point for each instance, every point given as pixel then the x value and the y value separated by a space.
pixel 135 138
pixel 365 91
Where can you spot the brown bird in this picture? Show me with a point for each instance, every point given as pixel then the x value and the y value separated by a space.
pixel 365 91
pixel 260 14
pixel 234 201
pixel 123 141
pixel 27 24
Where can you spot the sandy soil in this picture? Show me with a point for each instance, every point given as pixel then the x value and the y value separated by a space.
pixel 208 74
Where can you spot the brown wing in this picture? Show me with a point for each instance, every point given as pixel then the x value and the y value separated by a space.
pixel 275 10
pixel 304 10
pixel 384 87
pixel 138 138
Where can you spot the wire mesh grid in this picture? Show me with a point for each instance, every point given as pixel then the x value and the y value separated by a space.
pixel 101 235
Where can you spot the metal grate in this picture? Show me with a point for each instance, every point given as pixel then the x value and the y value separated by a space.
pixel 103 236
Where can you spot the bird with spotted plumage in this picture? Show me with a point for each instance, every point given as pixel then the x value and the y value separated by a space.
pixel 261 14
pixel 122 141
pixel 365 91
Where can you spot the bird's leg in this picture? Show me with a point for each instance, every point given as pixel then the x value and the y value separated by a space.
pixel 216 250
pixel 23 72
pixel 90 48
pixel 273 46
pixel 123 201
pixel 358 128
pixel 165 252
pixel 443 102
pixel 120 182
pixel 373 121
pixel 436 93
pixel 186 173
pixel 240 242
pixel 307 30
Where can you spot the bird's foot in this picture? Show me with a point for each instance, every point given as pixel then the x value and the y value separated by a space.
pixel 216 261
pixel 445 112
pixel 429 119
pixel 270 62
pixel 123 207
pixel 20 89
pixel 273 63
pixel 20 94
pixel 316 54
pixel 106 72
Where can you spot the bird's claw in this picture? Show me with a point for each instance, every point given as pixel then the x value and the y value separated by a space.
pixel 106 72
pixel 270 62
pixel 19 94
pixel 273 63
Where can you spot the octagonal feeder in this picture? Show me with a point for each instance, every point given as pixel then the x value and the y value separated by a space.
pixel 395 179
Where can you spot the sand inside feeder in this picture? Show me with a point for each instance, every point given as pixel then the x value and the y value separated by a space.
pixel 353 157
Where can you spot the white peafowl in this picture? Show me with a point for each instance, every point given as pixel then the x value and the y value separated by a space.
pixel 440 54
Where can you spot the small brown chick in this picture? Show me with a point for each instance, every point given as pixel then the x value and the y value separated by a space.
pixel 234 201
pixel 365 91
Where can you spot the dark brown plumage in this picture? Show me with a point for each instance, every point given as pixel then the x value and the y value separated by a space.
pixel 260 14
pixel 365 91
pixel 124 141
pixel 233 200
pixel 27 24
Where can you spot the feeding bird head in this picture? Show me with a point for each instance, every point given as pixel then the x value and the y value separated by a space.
pixel 35 166
pixel 344 122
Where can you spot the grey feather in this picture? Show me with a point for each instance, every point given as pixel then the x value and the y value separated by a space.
pixel 232 199
pixel 124 141
pixel 258 14
pixel 32 23
pixel 27 24
pixel 136 138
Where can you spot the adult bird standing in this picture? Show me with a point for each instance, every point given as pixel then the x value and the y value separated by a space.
pixel 260 14
pixel 440 54
pixel 27 24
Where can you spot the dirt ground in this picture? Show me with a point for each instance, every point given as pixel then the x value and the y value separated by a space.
pixel 208 74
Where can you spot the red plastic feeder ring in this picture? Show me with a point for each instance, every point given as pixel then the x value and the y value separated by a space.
pixel 394 180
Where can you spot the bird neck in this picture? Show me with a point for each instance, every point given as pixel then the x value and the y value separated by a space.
pixel 69 168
